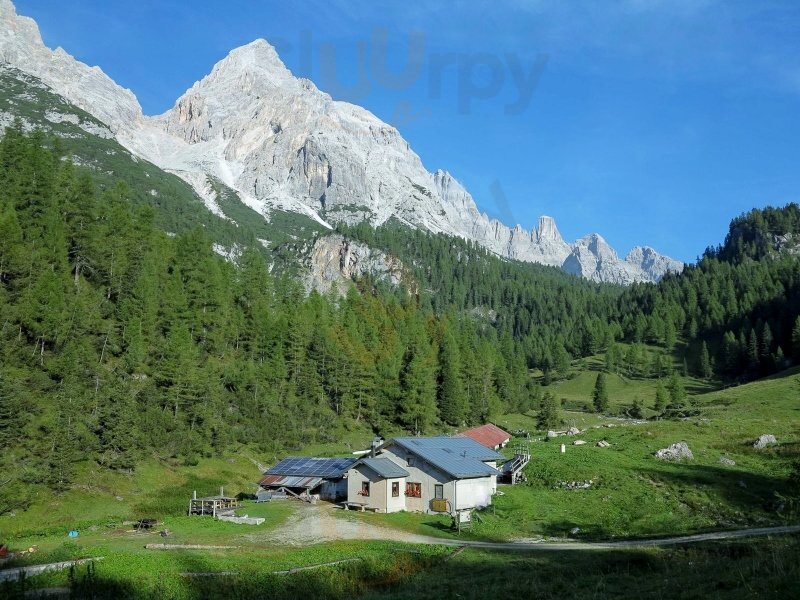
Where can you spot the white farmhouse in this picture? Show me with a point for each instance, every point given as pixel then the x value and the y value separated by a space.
pixel 431 475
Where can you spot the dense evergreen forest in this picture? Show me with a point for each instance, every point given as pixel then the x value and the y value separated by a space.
pixel 738 307
pixel 119 340
pixel 554 317
pixel 734 315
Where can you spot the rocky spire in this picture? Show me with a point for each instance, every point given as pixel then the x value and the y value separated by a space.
pixel 547 230
pixel 280 142
pixel 87 87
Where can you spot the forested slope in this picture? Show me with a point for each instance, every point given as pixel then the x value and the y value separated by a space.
pixel 554 316
pixel 738 308
pixel 118 339
pixel 734 315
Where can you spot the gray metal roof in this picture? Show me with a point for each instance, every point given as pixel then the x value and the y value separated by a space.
pixel 304 466
pixel 384 467
pixel 278 481
pixel 461 458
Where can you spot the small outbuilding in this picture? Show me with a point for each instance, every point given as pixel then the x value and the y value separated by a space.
pixel 488 435
pixel 309 478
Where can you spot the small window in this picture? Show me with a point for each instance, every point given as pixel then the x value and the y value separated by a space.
pixel 414 490
pixel 395 489
pixel 438 490
pixel 365 488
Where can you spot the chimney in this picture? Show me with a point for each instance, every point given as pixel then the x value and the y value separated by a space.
pixel 221 491
pixel 376 443
pixel 194 495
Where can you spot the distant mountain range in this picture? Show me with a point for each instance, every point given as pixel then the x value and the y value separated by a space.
pixel 279 143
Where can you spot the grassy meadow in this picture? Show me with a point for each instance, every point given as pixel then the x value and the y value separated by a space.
pixel 632 495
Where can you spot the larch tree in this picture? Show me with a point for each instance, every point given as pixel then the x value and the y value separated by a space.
pixel 600 394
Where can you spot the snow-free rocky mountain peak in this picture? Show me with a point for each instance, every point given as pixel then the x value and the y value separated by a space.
pixel 279 142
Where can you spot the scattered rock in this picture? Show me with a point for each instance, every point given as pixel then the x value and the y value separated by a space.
pixel 603 444
pixel 575 530
pixel 724 460
pixel 742 484
pixel 119 498
pixel 573 431
pixel 551 435
pixel 764 441
pixel 679 451
pixel 578 442
pixel 575 485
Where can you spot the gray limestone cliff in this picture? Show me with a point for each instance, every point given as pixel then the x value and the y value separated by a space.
pixel 279 142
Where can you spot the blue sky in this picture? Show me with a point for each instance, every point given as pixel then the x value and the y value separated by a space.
pixel 651 122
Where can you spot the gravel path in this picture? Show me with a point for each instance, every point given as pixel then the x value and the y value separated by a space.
pixel 313 524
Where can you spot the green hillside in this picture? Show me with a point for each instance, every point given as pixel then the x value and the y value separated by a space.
pixel 120 342
pixel 138 365
pixel 633 495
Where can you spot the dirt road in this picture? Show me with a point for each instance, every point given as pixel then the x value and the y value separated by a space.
pixel 313 524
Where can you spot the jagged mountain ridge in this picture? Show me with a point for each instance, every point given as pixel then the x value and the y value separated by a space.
pixel 279 142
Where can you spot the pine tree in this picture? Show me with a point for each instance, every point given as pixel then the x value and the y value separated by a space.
pixel 796 340
pixel 452 405
pixel 635 410
pixel 11 249
pixel 611 358
pixel 730 352
pixel 600 394
pixel 766 343
pixel 561 359
pixel 677 395
pixel 752 350
pixel 705 362
pixel 632 360
pixel 418 383
pixel 661 398
pixel 670 336
pixel 549 415
pixel 13 412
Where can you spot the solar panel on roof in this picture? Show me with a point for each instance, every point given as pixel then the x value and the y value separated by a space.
pixel 312 467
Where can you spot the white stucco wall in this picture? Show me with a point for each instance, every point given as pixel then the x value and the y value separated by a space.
pixel 399 503
pixel 474 490
pixel 474 493
pixel 380 490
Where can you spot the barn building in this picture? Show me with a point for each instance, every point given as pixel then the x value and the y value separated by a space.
pixel 489 435
pixel 309 478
